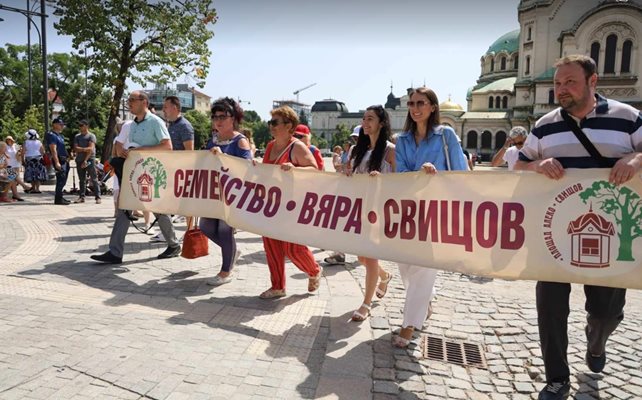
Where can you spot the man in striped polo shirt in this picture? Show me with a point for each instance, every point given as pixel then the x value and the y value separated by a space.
pixel 615 129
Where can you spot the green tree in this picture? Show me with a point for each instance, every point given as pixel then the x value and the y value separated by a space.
pixel 158 173
pixel 260 133
pixel 140 41
pixel 319 141
pixel 303 119
pixel 251 116
pixel 341 136
pixel 626 206
pixel 202 127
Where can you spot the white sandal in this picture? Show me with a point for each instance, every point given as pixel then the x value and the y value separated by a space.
pixel 382 292
pixel 358 317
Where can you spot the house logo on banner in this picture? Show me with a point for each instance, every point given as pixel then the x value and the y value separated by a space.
pixel 591 228
pixel 147 179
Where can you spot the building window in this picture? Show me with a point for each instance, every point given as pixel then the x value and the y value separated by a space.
pixel 609 54
pixel 502 64
pixel 498 103
pixel 528 65
pixel 626 56
pixel 500 139
pixel 530 32
pixel 551 97
pixel 595 53
pixel 490 102
pixel 492 64
pixel 516 62
pixel 590 247
pixel 486 140
pixel 471 140
pixel 505 102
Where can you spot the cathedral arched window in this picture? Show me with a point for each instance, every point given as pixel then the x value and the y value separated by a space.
pixel 500 139
pixel 626 56
pixel 551 97
pixel 530 32
pixel 492 64
pixel 528 65
pixel 505 102
pixel 471 140
pixel 486 140
pixel 498 102
pixel 502 65
pixel 516 62
pixel 490 102
pixel 609 54
pixel 595 52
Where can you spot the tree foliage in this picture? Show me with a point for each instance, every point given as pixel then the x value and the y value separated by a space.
pixel 341 136
pixel 202 127
pixel 139 41
pixel 625 206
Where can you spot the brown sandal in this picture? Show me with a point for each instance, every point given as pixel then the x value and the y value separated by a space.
pixel 315 281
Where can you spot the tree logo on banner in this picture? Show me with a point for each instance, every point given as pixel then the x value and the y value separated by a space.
pixel 591 226
pixel 147 178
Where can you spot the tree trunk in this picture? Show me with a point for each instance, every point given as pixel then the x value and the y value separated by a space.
pixel 111 122
pixel 625 252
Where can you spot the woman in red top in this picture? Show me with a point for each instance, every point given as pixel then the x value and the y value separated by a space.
pixel 289 153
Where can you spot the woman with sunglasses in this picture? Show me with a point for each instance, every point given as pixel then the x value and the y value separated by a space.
pixel 226 118
pixel 288 152
pixel 508 153
pixel 373 154
pixel 427 146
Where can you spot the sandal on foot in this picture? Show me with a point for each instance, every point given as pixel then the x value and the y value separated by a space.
pixel 382 292
pixel 336 258
pixel 359 317
pixel 272 293
pixel 315 281
pixel 400 341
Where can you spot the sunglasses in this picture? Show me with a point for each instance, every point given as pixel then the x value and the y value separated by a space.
pixel 299 136
pixel 220 117
pixel 519 143
pixel 418 103
pixel 275 122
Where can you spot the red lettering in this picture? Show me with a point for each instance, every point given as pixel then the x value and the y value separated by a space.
pixel 512 231
pixel 256 204
pixel 214 185
pixel 408 226
pixel 325 210
pixel 480 224
pixel 456 237
pixel 229 199
pixel 390 229
pixel 307 208
pixel 428 219
pixel 354 220
pixel 178 177
pixel 248 188
pixel 188 182
pixel 341 209
pixel 273 201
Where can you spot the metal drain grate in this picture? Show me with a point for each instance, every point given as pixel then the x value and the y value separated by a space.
pixel 460 353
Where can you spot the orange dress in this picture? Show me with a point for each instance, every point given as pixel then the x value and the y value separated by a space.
pixel 277 250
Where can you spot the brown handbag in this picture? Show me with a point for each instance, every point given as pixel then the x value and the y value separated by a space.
pixel 195 243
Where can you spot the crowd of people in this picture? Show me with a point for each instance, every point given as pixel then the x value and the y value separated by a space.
pixel 553 145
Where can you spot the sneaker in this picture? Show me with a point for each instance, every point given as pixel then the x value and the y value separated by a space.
pixel 157 237
pixel 79 200
pixel 595 363
pixel 170 252
pixel 107 258
pixel 219 280
pixel 98 200
pixel 178 218
pixel 555 391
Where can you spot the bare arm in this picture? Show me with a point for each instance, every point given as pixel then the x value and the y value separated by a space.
pixel 549 167
pixel 498 159
pixel 188 144
pixel 165 144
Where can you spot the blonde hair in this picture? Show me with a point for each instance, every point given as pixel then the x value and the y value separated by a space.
pixel 288 115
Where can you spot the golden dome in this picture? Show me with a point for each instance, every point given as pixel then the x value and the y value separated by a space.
pixel 450 105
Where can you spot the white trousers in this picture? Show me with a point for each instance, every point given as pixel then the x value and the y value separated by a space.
pixel 420 290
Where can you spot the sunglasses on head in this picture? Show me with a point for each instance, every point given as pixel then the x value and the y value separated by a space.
pixel 222 117
pixel 418 103
pixel 275 122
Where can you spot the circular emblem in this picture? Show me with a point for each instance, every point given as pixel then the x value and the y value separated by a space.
pixel 590 228
pixel 147 179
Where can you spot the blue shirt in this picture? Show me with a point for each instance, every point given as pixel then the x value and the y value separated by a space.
pixel 230 147
pixel 56 138
pixel 410 157
pixel 180 131
pixel 148 132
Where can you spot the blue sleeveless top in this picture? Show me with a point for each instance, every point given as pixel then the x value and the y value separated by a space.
pixel 230 146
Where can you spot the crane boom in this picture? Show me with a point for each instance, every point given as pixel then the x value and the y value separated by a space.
pixel 296 92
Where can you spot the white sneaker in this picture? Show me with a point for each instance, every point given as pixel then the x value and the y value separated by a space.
pixel 157 237
pixel 219 280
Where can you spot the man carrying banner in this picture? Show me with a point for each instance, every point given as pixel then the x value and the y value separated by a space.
pixel 147 133
pixel 587 131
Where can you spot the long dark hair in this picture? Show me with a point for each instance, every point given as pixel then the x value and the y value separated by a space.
pixel 433 120
pixel 363 142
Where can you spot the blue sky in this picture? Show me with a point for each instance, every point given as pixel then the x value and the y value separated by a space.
pixel 353 50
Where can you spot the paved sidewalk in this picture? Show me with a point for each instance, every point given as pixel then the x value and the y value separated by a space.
pixel 152 329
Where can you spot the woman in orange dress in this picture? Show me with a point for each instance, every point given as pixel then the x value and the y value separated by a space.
pixel 288 152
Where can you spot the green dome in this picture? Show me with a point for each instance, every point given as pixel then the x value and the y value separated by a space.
pixel 508 42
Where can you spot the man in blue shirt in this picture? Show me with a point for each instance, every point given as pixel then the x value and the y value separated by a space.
pixel 56 145
pixel 147 133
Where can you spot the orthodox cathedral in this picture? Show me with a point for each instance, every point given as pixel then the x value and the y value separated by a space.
pixel 515 86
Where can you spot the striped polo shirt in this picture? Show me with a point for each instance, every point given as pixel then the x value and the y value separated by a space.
pixel 614 128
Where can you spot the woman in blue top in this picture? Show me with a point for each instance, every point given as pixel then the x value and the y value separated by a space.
pixel 226 117
pixel 428 146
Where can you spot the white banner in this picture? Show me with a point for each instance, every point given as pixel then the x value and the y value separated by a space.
pixel 510 225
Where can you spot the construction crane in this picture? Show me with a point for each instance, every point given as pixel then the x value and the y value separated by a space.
pixel 296 92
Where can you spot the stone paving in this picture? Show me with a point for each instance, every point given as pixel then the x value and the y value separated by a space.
pixel 152 329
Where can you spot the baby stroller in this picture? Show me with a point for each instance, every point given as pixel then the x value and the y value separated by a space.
pixel 103 174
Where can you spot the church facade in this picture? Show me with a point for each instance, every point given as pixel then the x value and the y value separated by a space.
pixel 515 86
